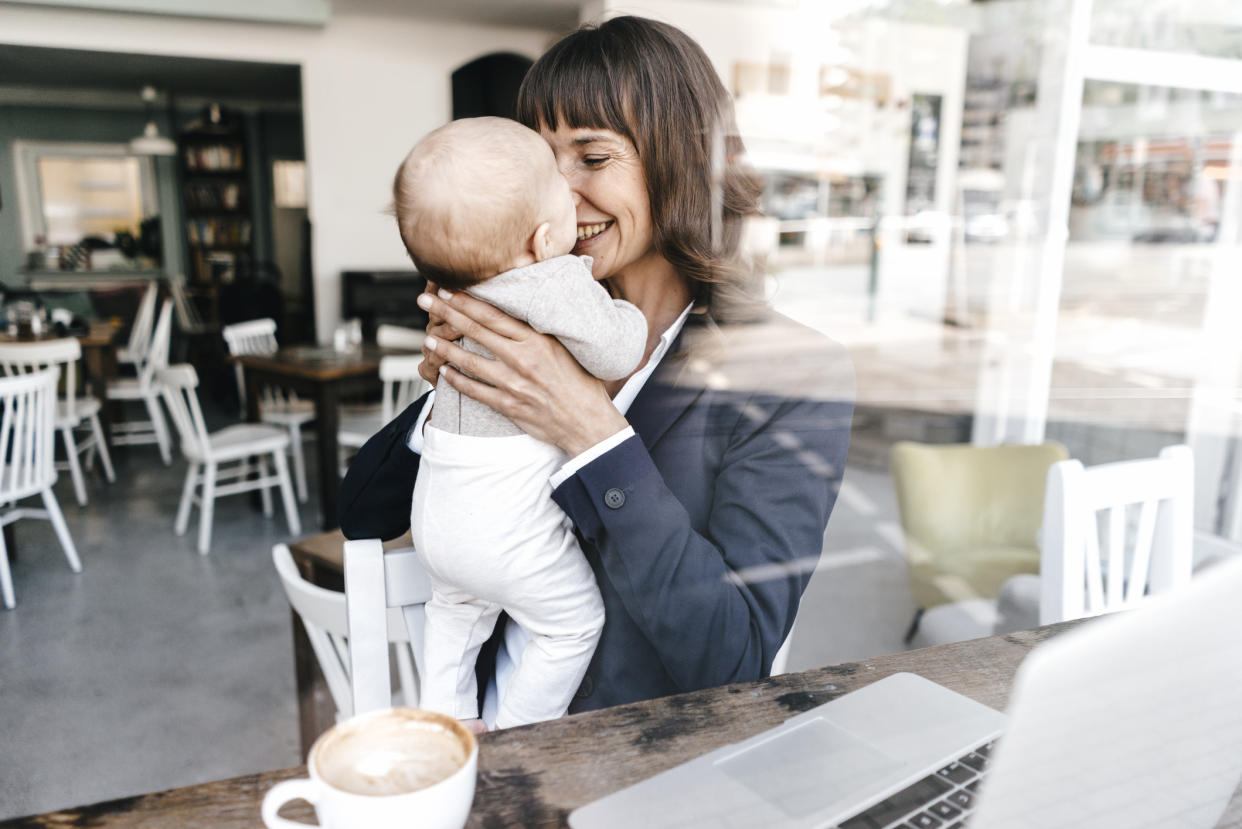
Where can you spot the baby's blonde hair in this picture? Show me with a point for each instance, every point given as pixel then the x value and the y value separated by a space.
pixel 469 196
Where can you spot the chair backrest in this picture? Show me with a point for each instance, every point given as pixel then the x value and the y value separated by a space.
pixel 156 356
pixel 957 496
pixel 970 515
pixel 402 383
pixel 1154 498
pixel 140 333
pixel 249 337
pixel 27 429
pixel 178 384
pixel 322 612
pixel 187 315
pixel 25 358
pixel 396 336
pixel 375 581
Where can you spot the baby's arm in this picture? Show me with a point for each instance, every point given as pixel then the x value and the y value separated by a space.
pixel 607 336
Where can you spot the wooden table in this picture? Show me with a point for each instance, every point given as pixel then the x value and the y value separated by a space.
pixel 98 357
pixel 322 375
pixel 535 775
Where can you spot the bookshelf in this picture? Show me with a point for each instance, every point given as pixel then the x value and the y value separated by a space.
pixel 216 203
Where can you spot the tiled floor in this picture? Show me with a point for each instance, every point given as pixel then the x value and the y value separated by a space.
pixel 155 666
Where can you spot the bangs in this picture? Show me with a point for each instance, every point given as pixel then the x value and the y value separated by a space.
pixel 581 84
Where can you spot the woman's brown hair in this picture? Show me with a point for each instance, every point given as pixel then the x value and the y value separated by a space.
pixel 652 83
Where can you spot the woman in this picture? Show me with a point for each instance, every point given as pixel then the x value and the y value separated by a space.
pixel 701 486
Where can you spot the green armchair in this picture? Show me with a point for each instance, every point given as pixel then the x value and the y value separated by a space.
pixel 970 516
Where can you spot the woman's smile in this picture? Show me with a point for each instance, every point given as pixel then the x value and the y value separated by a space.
pixel 588 233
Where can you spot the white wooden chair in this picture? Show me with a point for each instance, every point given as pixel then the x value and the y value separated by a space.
pixel 140 333
pixel 1079 575
pixel 221 462
pixel 71 412
pixel 145 387
pixel 276 405
pixel 397 336
pixel 27 462
pixel 322 612
pixel 402 386
pixel 376 584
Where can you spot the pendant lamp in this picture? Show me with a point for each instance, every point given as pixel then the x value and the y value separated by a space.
pixel 151 142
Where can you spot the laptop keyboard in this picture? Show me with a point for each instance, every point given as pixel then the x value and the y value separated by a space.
pixel 942 800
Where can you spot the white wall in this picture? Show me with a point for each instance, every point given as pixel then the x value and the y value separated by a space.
pixel 373 82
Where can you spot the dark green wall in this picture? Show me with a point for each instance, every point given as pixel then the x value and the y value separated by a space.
pixel 30 123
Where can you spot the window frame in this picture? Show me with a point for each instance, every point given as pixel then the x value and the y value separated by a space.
pixel 26 157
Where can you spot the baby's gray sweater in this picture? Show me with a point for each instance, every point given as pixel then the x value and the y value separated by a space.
pixel 558 297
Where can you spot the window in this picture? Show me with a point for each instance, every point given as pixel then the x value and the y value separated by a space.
pixel 71 191
pixel 289 183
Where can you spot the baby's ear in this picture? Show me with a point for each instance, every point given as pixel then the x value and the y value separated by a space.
pixel 541 242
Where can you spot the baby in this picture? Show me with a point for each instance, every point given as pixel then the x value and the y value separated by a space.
pixel 482 208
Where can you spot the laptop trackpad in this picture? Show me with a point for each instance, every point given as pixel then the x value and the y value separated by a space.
pixel 808 768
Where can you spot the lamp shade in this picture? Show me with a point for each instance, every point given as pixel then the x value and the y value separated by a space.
pixel 152 143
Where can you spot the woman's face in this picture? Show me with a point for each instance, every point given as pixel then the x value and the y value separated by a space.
pixel 614 215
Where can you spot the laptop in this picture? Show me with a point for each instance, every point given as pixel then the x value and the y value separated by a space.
pixel 1131 720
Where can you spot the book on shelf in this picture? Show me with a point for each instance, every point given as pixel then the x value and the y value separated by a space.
pixel 225 195
pixel 215 157
pixel 211 232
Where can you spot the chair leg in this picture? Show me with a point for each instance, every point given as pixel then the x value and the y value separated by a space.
pixel 160 427
pixel 102 446
pixel 62 531
pixel 286 493
pixel 6 578
pixel 914 626
pixel 265 491
pixel 75 466
pixel 187 498
pixel 299 461
pixel 206 509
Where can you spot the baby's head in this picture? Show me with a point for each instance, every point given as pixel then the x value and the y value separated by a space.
pixel 480 196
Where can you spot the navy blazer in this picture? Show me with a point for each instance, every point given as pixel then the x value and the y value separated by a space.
pixel 704 529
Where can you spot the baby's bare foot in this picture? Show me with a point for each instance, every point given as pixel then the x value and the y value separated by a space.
pixel 476 726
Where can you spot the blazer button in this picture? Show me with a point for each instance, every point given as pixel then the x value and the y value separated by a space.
pixel 586 688
pixel 614 498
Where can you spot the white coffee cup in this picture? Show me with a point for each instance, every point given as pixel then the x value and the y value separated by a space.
pixel 399 767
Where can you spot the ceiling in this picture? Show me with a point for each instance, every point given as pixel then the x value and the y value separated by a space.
pixel 40 68
pixel 556 15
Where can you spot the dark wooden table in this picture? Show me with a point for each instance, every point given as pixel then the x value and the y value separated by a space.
pixel 535 775
pixel 324 376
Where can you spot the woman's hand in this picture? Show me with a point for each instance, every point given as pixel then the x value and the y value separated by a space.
pixel 437 329
pixel 534 381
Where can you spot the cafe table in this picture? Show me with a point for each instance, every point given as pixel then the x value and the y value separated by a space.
pixel 325 376
pixel 98 356
pixel 535 775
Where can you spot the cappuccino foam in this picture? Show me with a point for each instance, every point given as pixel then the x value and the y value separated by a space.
pixel 391 753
